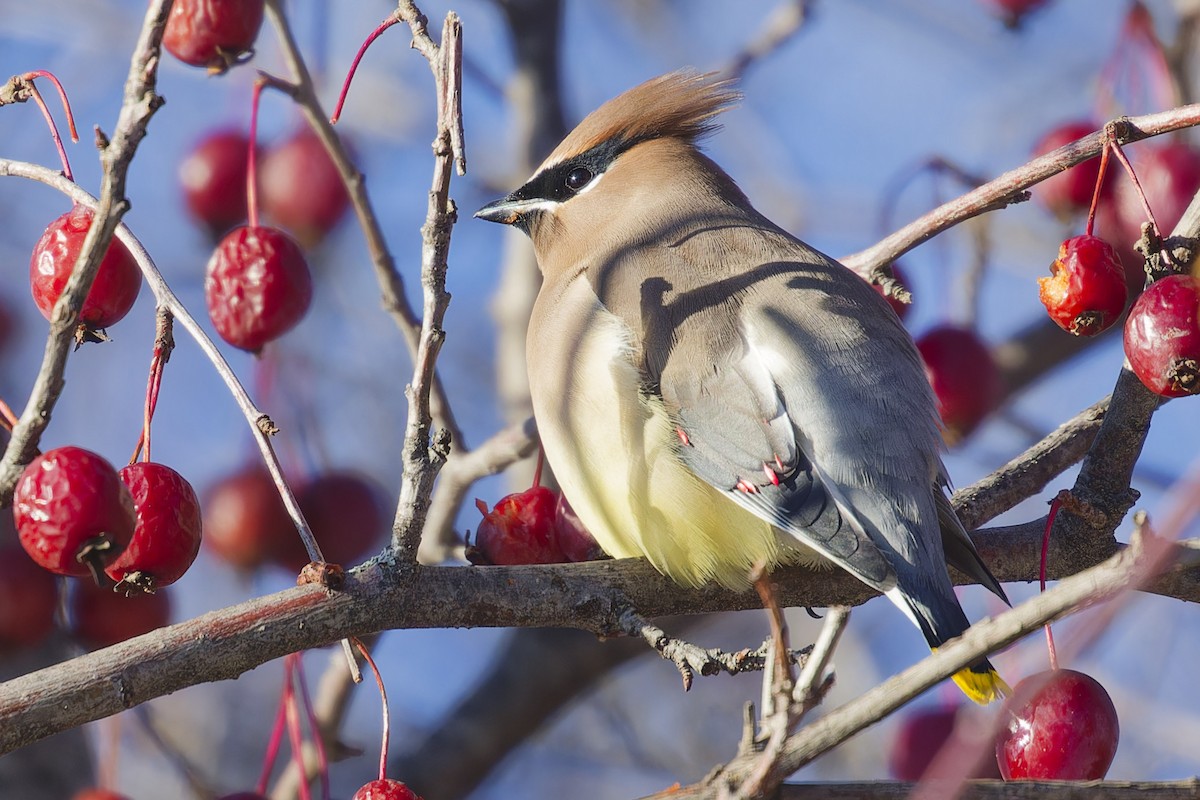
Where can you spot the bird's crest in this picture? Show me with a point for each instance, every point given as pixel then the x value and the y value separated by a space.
pixel 680 104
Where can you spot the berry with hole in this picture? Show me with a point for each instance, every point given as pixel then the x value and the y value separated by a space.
pixel 1162 336
pixel 520 529
pixel 73 514
pixel 1085 293
pixel 257 286
pixel 167 536
pixel 215 34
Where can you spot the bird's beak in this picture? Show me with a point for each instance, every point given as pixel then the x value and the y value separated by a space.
pixel 506 210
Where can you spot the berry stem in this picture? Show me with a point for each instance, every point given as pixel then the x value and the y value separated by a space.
pixel 276 739
pixel 315 726
pixel 251 155
pixel 362 50
pixel 1055 505
pixel 37 98
pixel 295 733
pixel 387 722
pixel 164 343
pixel 537 469
pixel 1098 191
pixel 1137 185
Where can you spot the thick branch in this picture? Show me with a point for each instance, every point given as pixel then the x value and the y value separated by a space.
pixel 1000 790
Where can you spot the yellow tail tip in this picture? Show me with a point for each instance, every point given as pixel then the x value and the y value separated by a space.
pixel 982 685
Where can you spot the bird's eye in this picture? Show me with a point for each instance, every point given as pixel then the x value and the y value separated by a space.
pixel 579 178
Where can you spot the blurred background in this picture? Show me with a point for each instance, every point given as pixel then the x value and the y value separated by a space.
pixel 838 118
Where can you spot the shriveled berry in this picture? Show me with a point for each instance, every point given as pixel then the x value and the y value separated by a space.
pixel 167 536
pixel 212 33
pixel 71 509
pixel 101 617
pixel 28 597
pixel 1069 193
pixel 1059 725
pixel 520 529
pixel 348 517
pixel 245 521
pixel 1085 293
pixel 571 537
pixel 964 377
pixel 213 177
pixel 385 789
pixel 1162 336
pixel 117 281
pixel 301 188
pixel 257 286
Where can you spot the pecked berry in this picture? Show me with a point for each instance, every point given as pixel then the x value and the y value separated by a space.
pixel 1060 725
pixel 117 281
pixel 1069 193
pixel 71 510
pixel 348 517
pixel 302 190
pixel 385 789
pixel 28 598
pixel 964 377
pixel 1085 293
pixel 245 521
pixel 520 529
pixel 101 617
pixel 167 536
pixel 257 285
pixel 1162 336
pixel 212 33
pixel 213 177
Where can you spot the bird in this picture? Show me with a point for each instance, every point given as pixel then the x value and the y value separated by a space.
pixel 714 394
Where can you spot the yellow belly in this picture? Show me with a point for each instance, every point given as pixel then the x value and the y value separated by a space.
pixel 615 454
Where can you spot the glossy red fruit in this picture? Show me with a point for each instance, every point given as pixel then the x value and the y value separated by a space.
pixel 900 308
pixel 1014 11
pixel 213 177
pixel 964 377
pixel 1162 337
pixel 386 789
pixel 1085 293
pixel 1061 725
pixel 257 286
pixel 921 738
pixel 1069 193
pixel 101 617
pixel 212 33
pixel 347 514
pixel 117 282
pixel 167 536
pixel 301 189
pixel 28 598
pixel 97 794
pixel 570 536
pixel 245 521
pixel 520 529
pixel 71 508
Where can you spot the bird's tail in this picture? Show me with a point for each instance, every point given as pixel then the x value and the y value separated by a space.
pixel 941 619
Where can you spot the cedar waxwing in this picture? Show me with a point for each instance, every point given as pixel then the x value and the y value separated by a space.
pixel 711 392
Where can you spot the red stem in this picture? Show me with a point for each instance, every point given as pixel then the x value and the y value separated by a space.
pixel 295 734
pixel 1099 190
pixel 251 156
pixel 62 152
pixel 537 469
pixel 276 739
pixel 1137 185
pixel 387 722
pixel 362 50
pixel 315 725
pixel 1055 505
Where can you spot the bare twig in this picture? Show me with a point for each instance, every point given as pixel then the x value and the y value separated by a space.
pixel 782 24
pixel 1188 789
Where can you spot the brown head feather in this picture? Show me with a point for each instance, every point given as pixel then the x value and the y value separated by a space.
pixel 680 105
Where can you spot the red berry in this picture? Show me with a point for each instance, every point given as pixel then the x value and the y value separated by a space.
pixel 1014 11
pixel 900 308
pixel 1061 725
pixel 1085 292
pixel 964 377
pixel 243 796
pixel 571 537
pixel 520 529
pixel 922 737
pixel 245 521
pixel 347 515
pixel 97 794
pixel 385 789
pixel 71 508
pixel 212 33
pixel 101 617
pixel 167 537
pixel 213 177
pixel 28 599
pixel 1069 193
pixel 257 285
pixel 1162 336
pixel 301 188
pixel 117 281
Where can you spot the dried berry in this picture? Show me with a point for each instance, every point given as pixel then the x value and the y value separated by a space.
pixel 1085 293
